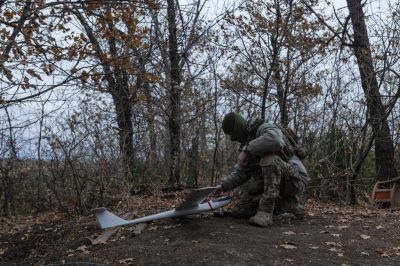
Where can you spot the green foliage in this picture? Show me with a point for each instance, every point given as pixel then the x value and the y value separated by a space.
pixel 329 164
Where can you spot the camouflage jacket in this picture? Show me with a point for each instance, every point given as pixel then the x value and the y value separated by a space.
pixel 263 138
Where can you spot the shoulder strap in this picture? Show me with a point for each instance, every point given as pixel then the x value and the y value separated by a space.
pixel 294 140
pixel 289 133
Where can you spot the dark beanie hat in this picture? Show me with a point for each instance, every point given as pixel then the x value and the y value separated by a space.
pixel 228 124
pixel 235 125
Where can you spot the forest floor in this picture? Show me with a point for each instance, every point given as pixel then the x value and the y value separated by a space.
pixel 329 235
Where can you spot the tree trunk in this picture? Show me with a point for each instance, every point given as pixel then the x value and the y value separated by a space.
pixel 384 149
pixel 6 171
pixel 215 165
pixel 174 99
pixel 118 87
pixel 194 159
pixel 150 118
pixel 123 102
pixel 281 93
pixel 275 58
pixel 123 111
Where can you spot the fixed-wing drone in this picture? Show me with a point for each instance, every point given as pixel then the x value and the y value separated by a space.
pixel 192 205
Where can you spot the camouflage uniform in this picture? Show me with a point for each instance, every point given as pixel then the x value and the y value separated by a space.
pixel 278 174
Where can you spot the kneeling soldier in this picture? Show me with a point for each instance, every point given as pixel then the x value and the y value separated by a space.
pixel 270 157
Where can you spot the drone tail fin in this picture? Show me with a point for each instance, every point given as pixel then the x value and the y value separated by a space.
pixel 107 219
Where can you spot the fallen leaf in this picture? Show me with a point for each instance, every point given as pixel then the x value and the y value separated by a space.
pixel 336 235
pixel 330 226
pixel 314 247
pixel 334 244
pixel 2 251
pixel 365 236
pixel 288 233
pixel 151 228
pixel 340 254
pixel 382 253
pixel 96 241
pixel 81 248
pixel 397 248
pixel 365 253
pixel 128 261
pixel 379 227
pixel 172 226
pixel 139 228
pixel 288 260
pixel 195 241
pixel 341 227
pixel 324 232
pixel 288 246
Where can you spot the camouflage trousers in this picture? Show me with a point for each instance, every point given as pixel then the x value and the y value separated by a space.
pixel 275 180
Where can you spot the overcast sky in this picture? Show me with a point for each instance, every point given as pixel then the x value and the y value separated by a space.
pixel 374 8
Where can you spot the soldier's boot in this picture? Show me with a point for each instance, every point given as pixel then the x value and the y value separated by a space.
pixel 245 208
pixel 291 205
pixel 243 212
pixel 262 218
pixel 284 217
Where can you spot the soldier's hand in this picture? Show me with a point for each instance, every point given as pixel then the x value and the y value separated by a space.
pixel 243 159
pixel 219 190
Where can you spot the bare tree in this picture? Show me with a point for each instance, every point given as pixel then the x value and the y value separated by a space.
pixel 384 149
pixel 118 82
pixel 174 123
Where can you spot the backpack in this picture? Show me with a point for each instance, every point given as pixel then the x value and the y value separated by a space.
pixel 298 149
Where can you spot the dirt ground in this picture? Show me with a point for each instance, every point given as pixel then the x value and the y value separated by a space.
pixel 329 235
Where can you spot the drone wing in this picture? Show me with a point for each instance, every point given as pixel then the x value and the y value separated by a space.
pixel 194 198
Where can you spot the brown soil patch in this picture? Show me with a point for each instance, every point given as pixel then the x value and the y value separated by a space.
pixel 329 235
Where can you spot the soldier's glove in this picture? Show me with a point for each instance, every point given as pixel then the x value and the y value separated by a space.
pixel 218 191
pixel 243 158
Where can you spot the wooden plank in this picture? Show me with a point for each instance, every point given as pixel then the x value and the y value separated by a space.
pixel 382 196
